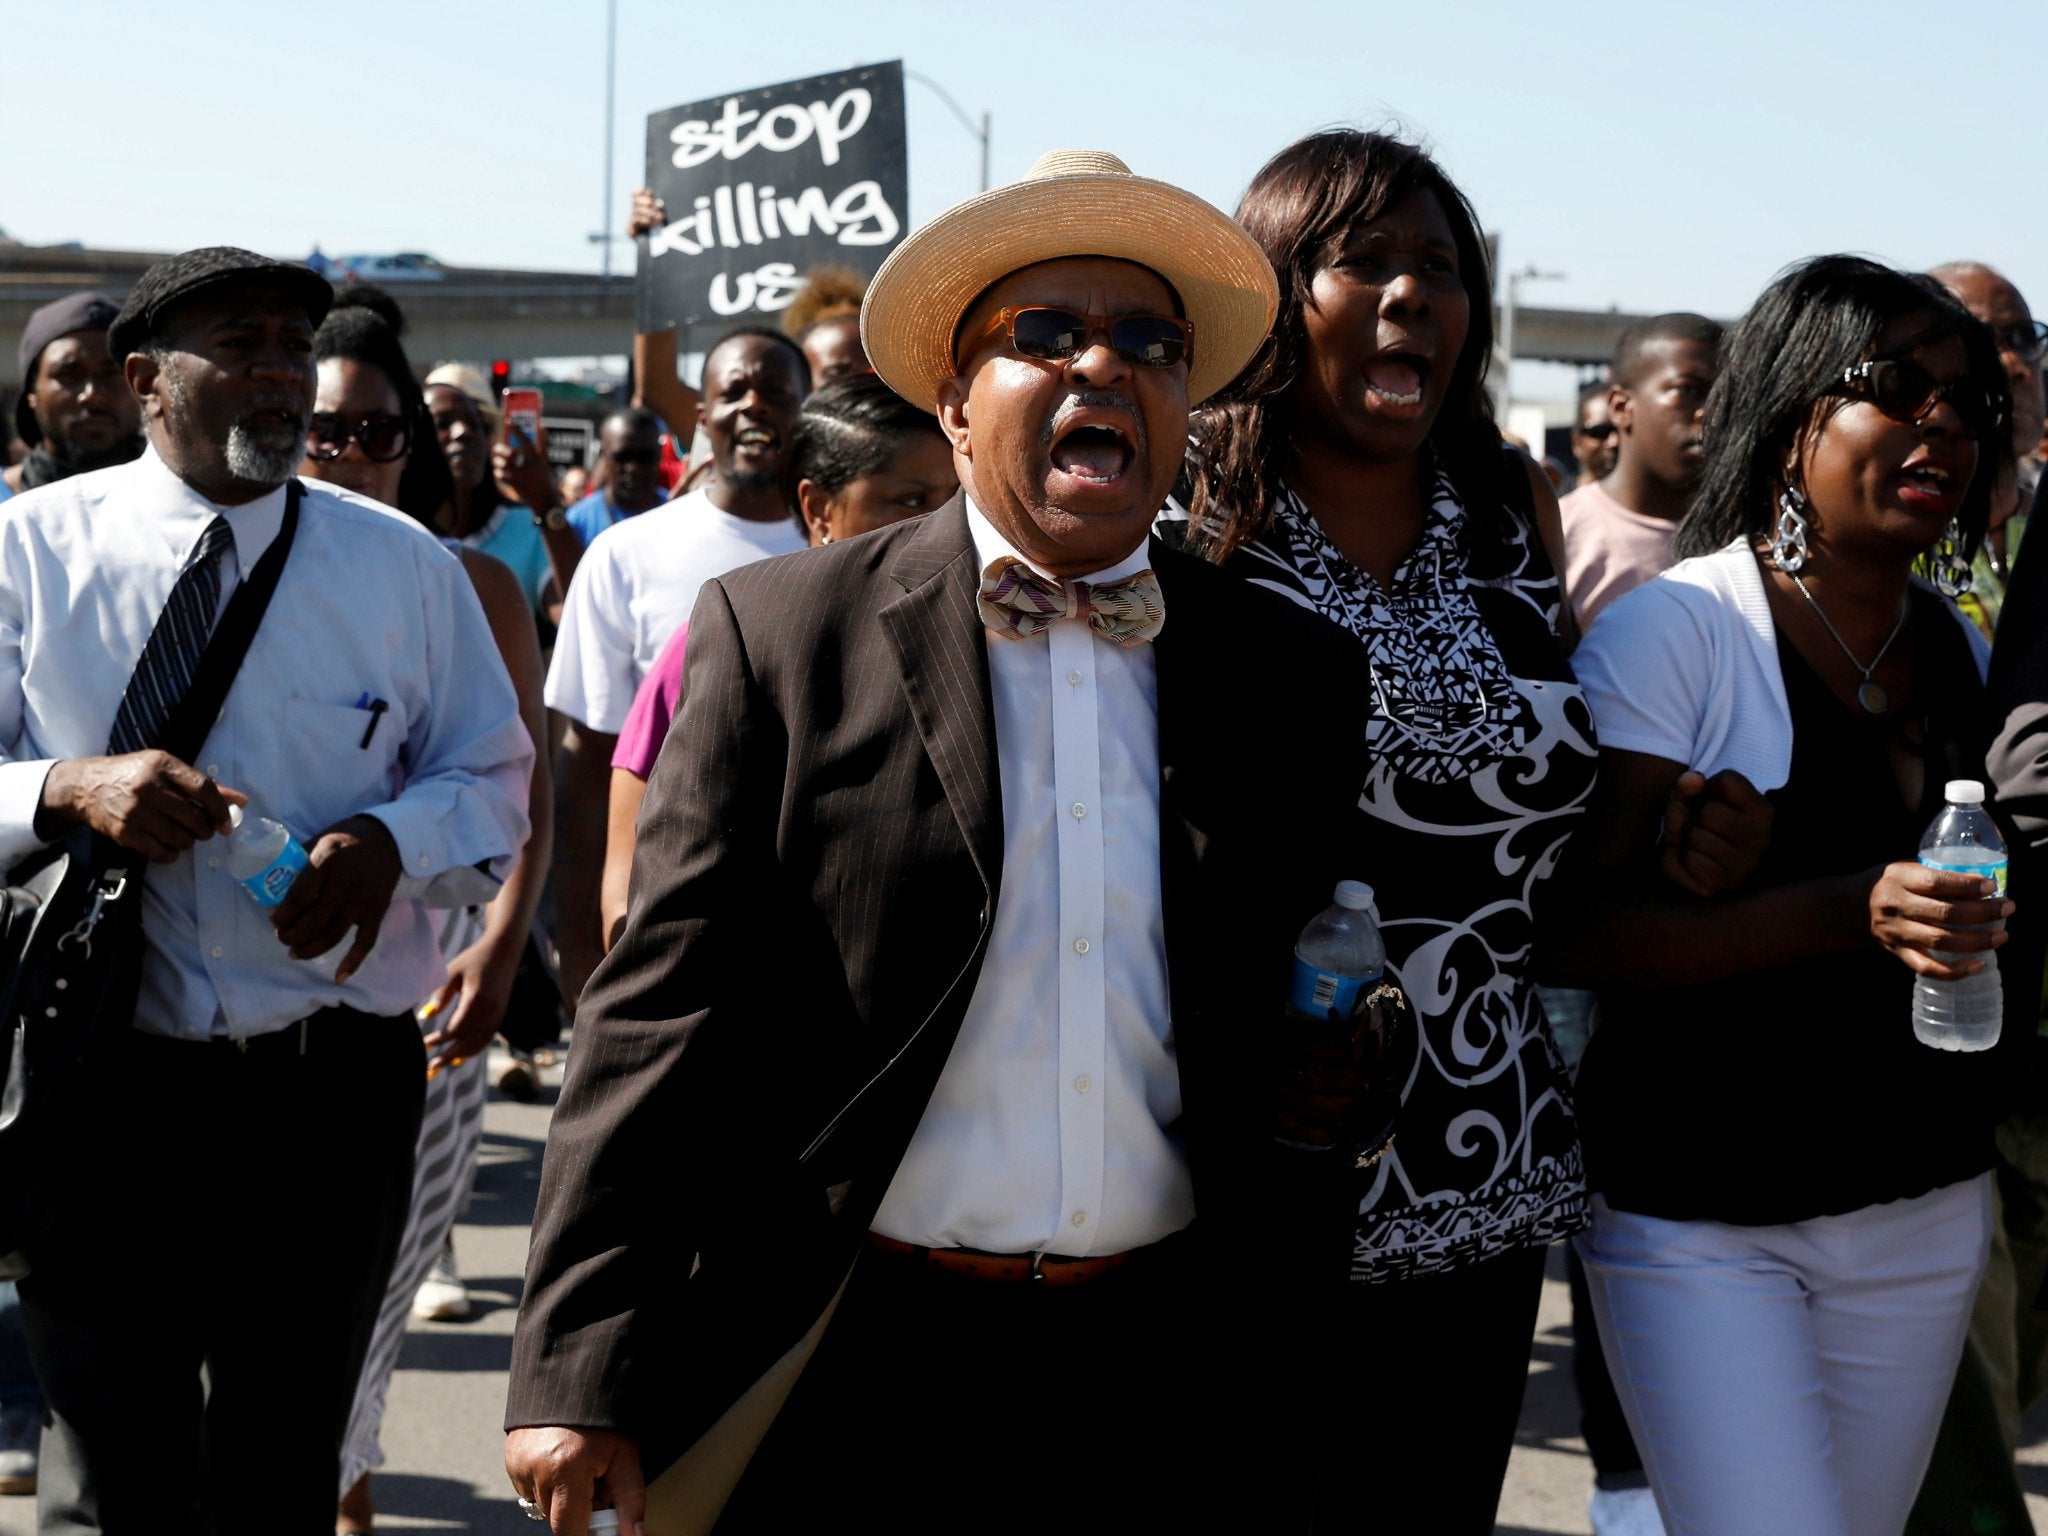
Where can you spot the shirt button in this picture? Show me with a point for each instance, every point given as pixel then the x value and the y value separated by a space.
pixel 1074 677
pixel 216 951
pixel 213 863
pixel 1080 810
pixel 423 861
pixel 1080 1085
pixel 213 770
pixel 1081 946
pixel 1080 1218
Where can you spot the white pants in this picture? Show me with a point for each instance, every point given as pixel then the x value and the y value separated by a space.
pixel 1788 1381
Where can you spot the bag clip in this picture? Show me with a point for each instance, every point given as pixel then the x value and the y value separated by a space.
pixel 82 933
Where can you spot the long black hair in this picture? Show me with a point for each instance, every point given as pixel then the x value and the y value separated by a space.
pixel 1299 209
pixel 364 327
pixel 1781 369
pixel 847 428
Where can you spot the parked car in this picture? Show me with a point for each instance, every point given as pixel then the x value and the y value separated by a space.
pixel 399 267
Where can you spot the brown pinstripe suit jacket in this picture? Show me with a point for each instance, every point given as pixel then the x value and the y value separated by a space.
pixel 818 860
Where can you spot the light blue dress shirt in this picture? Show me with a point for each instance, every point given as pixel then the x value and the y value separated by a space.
pixel 370 606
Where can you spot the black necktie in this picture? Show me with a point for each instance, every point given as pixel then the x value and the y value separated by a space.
pixel 175 646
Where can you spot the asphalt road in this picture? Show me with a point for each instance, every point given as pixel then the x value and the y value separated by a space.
pixel 442 1438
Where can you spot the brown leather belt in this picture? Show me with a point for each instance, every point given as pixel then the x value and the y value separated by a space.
pixel 1048 1269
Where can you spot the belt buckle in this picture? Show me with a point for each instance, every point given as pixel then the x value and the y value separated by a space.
pixel 1038 1267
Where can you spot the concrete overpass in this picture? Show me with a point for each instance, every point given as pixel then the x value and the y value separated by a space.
pixel 471 314
pixel 476 314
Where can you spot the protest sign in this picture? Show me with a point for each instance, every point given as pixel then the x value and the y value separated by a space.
pixel 763 185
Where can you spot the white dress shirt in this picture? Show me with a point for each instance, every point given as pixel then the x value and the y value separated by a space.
pixel 1049 1130
pixel 369 605
pixel 634 587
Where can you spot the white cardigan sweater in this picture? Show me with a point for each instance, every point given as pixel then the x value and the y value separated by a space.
pixel 1686 668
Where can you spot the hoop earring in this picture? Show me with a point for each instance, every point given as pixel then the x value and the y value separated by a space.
pixel 1788 538
pixel 1952 573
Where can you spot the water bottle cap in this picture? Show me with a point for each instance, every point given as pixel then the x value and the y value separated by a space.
pixel 1355 894
pixel 234 816
pixel 1964 792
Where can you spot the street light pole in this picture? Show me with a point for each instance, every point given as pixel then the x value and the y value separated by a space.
pixel 1509 304
pixel 611 86
pixel 981 133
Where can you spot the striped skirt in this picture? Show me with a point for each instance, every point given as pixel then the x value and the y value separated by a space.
pixel 451 1131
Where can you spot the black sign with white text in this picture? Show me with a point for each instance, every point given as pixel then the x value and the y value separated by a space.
pixel 763 185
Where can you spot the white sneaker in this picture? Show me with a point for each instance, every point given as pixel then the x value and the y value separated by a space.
pixel 20 1435
pixel 1625 1512
pixel 442 1297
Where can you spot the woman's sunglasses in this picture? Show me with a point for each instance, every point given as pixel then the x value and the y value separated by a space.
pixel 1906 392
pixel 1056 335
pixel 381 435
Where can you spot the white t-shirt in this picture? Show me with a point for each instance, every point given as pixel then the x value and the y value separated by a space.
pixel 1609 550
pixel 636 583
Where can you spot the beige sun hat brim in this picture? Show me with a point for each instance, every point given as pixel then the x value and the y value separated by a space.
pixel 1072 203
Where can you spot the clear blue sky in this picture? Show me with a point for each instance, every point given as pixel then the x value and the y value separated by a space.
pixel 1662 157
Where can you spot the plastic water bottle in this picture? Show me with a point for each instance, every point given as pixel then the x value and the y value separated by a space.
pixel 263 856
pixel 1962 1015
pixel 1337 960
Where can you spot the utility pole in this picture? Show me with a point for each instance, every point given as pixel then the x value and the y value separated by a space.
pixel 611 87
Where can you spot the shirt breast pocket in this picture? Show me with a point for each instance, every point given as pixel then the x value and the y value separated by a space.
pixel 339 761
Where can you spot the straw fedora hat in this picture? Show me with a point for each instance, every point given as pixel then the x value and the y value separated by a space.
pixel 1073 202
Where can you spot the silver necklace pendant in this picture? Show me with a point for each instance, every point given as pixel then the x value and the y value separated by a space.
pixel 1875 700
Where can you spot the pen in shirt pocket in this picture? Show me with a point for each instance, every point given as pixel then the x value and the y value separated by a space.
pixel 376 708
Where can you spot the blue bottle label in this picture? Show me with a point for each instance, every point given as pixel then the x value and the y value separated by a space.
pixel 1320 994
pixel 1992 868
pixel 269 885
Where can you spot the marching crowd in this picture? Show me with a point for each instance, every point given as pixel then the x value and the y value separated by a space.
pixel 912 794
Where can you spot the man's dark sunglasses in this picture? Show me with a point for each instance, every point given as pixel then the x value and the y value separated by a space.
pixel 637 456
pixel 1906 392
pixel 381 435
pixel 1600 431
pixel 1056 335
pixel 2026 340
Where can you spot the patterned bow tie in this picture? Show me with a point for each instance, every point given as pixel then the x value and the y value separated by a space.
pixel 1017 603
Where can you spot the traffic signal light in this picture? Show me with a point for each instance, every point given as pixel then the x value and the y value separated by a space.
pixel 501 375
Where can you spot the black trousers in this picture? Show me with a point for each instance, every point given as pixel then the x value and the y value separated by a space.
pixel 1616 1461
pixel 1127 1404
pixel 199 1314
pixel 1427 1379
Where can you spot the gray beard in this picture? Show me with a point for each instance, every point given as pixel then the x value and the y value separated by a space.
pixel 261 463
pixel 247 459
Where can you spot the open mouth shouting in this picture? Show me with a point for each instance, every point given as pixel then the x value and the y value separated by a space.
pixel 1093 449
pixel 753 441
pixel 1931 486
pixel 1394 384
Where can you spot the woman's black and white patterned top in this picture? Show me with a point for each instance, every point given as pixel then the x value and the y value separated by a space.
pixel 1483 755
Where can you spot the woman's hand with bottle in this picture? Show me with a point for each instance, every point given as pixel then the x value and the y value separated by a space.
pixel 1916 911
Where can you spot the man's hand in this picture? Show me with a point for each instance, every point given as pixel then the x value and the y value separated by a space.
pixel 559 1469
pixel 145 801
pixel 649 214
pixel 1916 911
pixel 1716 832
pixel 353 869
pixel 522 471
